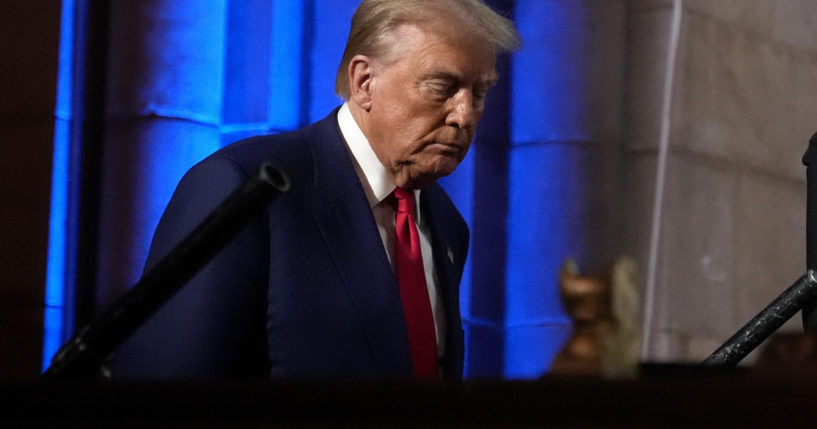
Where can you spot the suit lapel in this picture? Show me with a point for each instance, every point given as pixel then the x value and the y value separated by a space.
pixel 350 233
pixel 449 260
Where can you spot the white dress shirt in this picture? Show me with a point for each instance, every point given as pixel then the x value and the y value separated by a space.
pixel 378 184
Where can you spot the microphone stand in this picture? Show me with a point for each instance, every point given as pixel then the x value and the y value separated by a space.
pixel 84 355
pixel 799 295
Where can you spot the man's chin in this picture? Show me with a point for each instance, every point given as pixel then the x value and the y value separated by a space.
pixel 438 170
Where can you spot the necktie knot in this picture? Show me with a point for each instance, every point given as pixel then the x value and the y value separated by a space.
pixel 405 200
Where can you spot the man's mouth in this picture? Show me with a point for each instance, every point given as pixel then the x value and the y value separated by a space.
pixel 445 147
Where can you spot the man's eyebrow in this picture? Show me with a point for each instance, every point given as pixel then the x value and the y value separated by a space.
pixel 487 80
pixel 490 80
pixel 442 75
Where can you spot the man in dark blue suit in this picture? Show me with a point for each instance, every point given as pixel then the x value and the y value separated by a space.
pixel 330 281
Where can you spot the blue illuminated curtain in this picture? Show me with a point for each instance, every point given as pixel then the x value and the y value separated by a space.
pixel 56 327
pixel 187 77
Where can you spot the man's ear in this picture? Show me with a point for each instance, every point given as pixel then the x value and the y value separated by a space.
pixel 361 74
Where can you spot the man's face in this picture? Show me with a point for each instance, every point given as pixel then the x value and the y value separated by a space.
pixel 427 97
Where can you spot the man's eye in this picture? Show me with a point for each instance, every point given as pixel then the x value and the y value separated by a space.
pixel 440 89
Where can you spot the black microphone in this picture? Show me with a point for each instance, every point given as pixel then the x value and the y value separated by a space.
pixel 84 355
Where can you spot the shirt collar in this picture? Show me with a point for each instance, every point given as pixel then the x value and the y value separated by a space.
pixel 379 181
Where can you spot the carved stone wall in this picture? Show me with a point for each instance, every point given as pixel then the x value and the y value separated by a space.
pixel 743 107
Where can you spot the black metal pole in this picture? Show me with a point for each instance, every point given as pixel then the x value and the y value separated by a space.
pixel 811 203
pixel 84 355
pixel 802 292
pixel 802 295
pixel 809 316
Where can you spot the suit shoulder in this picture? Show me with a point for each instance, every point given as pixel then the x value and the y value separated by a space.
pixel 282 150
pixel 290 150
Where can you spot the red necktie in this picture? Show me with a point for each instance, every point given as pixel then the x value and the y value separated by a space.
pixel 413 290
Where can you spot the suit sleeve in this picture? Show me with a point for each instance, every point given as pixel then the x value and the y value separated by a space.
pixel 214 327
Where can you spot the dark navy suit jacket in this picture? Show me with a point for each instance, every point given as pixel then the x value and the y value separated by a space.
pixel 306 289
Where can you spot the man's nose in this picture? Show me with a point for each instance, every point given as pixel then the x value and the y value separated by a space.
pixel 462 113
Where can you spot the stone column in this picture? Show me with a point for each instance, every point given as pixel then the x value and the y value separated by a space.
pixel 163 109
pixel 562 165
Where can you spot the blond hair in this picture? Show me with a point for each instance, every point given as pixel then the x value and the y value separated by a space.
pixel 375 20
